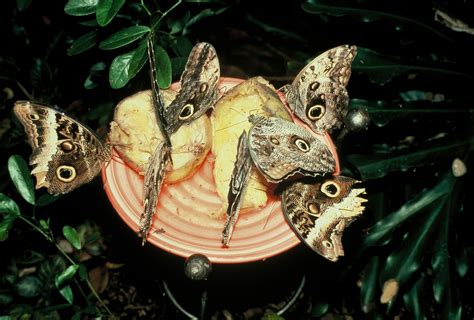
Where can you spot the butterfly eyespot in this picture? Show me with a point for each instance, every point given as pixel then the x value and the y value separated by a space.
pixel 203 87
pixel 274 140
pixel 302 145
pixel 313 86
pixel 313 209
pixel 316 112
pixel 33 116
pixel 66 173
pixel 327 244
pixel 186 112
pixel 331 189
pixel 67 146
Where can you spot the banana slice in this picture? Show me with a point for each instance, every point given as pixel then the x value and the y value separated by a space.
pixel 135 135
pixel 230 118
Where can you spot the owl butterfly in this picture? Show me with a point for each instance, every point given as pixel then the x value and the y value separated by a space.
pixel 319 212
pixel 197 95
pixel 66 154
pixel 318 94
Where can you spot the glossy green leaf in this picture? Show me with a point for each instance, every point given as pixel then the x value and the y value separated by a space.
pixel 71 235
pixel 9 211
pixel 66 275
pixel 370 289
pixel 462 262
pixel 118 72
pixel 83 43
pixel 96 70
pixel 28 286
pixel 124 37
pixel 5 299
pixel 139 58
pixel 381 69
pixel 163 67
pixel 22 4
pixel 89 23
pixel 46 199
pixel 378 165
pixel 80 7
pixel 404 262
pixel 21 177
pixel 66 292
pixel 319 309
pixel 367 15
pixel 414 298
pixel 177 65
pixel 381 232
pixel 8 206
pixel 182 46
pixel 202 15
pixel 275 30
pixel 444 288
pixel 106 10
pixel 177 25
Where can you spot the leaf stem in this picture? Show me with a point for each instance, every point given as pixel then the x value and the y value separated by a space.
pixel 165 14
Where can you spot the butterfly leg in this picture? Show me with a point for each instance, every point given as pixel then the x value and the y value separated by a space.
pixel 238 181
pixel 154 176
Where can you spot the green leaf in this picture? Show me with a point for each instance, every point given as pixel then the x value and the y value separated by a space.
pixel 96 70
pixel 89 23
pixel 46 199
pixel 404 262
pixel 123 37
pixel 106 10
pixel 444 288
pixel 462 262
pixel 71 235
pixel 370 289
pixel 178 64
pixel 8 206
pixel 275 30
pixel 139 58
pixel 381 69
pixel 414 298
pixel 22 4
pixel 83 43
pixel 5 299
pixel 319 309
pixel 378 165
pixel 66 275
pixel 83 274
pixel 9 212
pixel 182 46
pixel 163 67
pixel 21 177
pixel 66 292
pixel 202 15
pixel 118 72
pixel 28 286
pixel 381 232
pixel 177 25
pixel 80 7
pixel 77 316
pixel 366 15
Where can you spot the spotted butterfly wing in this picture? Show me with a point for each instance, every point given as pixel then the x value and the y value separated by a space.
pixel 280 149
pixel 318 94
pixel 320 210
pixel 198 91
pixel 66 154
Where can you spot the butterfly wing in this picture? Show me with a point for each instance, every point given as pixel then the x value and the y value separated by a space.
pixel 66 154
pixel 318 94
pixel 198 90
pixel 280 149
pixel 319 212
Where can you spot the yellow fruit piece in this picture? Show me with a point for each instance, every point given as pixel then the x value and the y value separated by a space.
pixel 230 118
pixel 135 134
